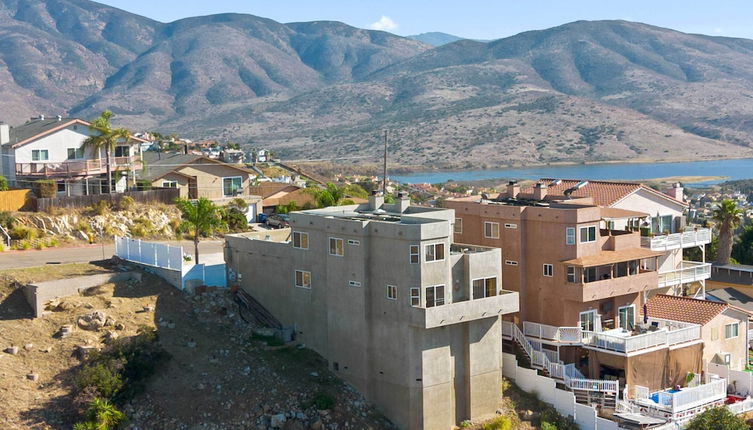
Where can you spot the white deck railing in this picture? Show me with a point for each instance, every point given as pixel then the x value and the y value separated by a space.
pixel 669 242
pixel 553 333
pixel 689 271
pixel 685 399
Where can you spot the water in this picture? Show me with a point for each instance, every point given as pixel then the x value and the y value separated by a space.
pixel 731 169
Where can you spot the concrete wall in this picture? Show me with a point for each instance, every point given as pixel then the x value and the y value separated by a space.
pixel 42 292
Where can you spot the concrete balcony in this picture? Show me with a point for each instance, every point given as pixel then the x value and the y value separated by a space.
pixel 689 271
pixel 688 239
pixel 612 287
pixel 657 333
pixel 470 310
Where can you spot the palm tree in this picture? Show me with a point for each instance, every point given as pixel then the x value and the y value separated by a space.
pixel 728 217
pixel 102 415
pixel 106 138
pixel 202 215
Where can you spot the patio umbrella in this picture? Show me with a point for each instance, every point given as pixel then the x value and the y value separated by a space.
pixel 645 313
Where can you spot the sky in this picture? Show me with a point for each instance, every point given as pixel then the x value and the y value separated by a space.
pixel 478 19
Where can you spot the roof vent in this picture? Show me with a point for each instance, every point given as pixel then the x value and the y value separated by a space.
pixel 577 186
pixel 555 182
pixel 41 117
pixel 60 118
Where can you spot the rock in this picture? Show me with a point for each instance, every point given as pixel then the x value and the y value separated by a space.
pixel 149 308
pixel 109 336
pixel 316 425
pixel 48 349
pixel 277 421
pixel 82 351
pixel 191 343
pixel 32 377
pixel 314 374
pixel 65 330
pixel 28 346
pixel 93 321
pixel 119 326
pixel 12 350
pixel 264 331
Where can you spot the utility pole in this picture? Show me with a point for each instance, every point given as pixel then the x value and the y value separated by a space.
pixel 384 170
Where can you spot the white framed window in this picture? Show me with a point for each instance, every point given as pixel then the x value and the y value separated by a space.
pixel 570 236
pixel 391 292
pixel 627 317
pixel 491 230
pixel 714 333
pixel 731 330
pixel 588 234
pixel 415 296
pixel 511 262
pixel 434 296
pixel 512 226
pixel 458 225
pixel 169 184
pixel 354 284
pixel 354 242
pixel 75 153
pixel 727 357
pixel 303 279
pixel 231 186
pixel 415 254
pixel 484 287
pixel 548 270
pixel 300 240
pixel 336 247
pixel 588 320
pixel 434 252
pixel 39 155
pixel 571 274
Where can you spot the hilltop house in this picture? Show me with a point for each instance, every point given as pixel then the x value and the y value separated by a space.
pixel 52 148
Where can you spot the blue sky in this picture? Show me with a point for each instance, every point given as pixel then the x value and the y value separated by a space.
pixel 482 19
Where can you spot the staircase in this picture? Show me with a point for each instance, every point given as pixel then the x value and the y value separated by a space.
pixel 253 311
pixel 587 391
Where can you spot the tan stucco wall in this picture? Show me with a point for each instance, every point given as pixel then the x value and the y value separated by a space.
pixel 737 346
pixel 209 178
pixel 180 179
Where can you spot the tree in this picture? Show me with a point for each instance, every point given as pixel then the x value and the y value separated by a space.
pixel 717 418
pixel 202 215
pixel 728 217
pixel 106 138
pixel 742 250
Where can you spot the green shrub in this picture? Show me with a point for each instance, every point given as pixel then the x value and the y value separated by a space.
pixel 465 424
pixel 323 401
pixel 23 233
pixel 3 183
pixel 25 244
pixel 143 185
pixel 545 425
pixel 40 245
pixel 717 418
pixel 556 421
pixel 101 415
pixel 52 243
pixel 84 227
pixel 7 220
pixel 101 207
pixel 235 219
pixel 499 423
pixel 45 188
pixel 102 375
pixel 126 203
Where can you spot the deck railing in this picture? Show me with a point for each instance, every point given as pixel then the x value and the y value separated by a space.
pixel 75 167
pixel 689 271
pixel 668 242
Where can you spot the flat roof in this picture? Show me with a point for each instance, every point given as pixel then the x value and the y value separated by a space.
pixel 610 257
pixel 735 267
pixel 732 297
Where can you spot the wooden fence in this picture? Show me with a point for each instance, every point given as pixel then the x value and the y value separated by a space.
pixel 159 195
pixel 16 200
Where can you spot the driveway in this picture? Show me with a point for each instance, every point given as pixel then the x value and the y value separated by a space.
pixel 85 254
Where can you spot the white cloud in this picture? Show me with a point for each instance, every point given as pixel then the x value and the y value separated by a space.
pixel 385 23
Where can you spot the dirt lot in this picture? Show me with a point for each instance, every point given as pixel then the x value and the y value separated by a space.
pixel 218 377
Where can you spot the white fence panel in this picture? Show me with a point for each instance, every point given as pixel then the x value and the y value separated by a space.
pixel 545 388
pixel 585 416
pixel 148 255
pixel 509 365
pixel 604 424
pixel 564 402
pixel 526 379
pixel 163 255
pixel 176 258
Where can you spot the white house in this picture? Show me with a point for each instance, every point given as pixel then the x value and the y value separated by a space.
pixel 52 148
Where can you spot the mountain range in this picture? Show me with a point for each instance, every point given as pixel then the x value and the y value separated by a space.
pixel 583 91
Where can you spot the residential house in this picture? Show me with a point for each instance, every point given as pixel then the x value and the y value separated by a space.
pixel 410 319
pixel 53 148
pixel 232 156
pixel 275 194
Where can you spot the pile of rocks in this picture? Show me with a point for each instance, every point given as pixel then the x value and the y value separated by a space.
pixel 218 306
pixel 95 321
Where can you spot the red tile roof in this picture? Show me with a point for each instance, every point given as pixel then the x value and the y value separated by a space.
pixel 684 309
pixel 603 193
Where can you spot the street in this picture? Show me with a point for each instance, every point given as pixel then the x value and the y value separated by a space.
pixel 83 254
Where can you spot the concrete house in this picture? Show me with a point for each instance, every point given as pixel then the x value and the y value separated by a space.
pixel 410 319
pixel 52 148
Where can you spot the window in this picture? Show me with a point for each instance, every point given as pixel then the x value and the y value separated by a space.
pixel 415 296
pixel 354 242
pixel 231 186
pixel 75 153
pixel 458 225
pixel 391 292
pixel 548 270
pixel 587 234
pixel 354 283
pixel 570 236
pixel 39 155
pixel 414 254
pixel 571 274
pixel 589 273
pixel 302 279
pixel 336 247
pixel 491 230
pixel 485 287
pixel 627 317
pixel 169 184
pixel 714 333
pixel 435 252
pixel 511 226
pixel 434 296
pixel 300 240
pixel 730 330
pixel 122 151
pixel 588 320
pixel 664 224
pixel 511 263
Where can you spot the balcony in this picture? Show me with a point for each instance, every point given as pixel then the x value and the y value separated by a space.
pixel 470 310
pixel 77 167
pixel 689 271
pixel 657 333
pixel 676 404
pixel 611 287
pixel 688 239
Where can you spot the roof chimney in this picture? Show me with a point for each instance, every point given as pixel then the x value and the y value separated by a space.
pixel 376 200
pixel 539 191
pixel 403 201
pixel 4 133
pixel 676 192
pixel 41 117
pixel 513 189
pixel 60 118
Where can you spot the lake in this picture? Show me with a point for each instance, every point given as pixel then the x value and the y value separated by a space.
pixel 733 169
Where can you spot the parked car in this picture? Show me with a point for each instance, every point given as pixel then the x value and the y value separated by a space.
pixel 278 221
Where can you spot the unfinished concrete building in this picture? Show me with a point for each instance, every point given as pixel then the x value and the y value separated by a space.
pixel 409 319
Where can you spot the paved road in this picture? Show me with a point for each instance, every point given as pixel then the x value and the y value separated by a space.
pixel 30 258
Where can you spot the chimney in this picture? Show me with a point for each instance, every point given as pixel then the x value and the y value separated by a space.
pixel 376 200
pixel 60 118
pixel 41 117
pixel 677 192
pixel 539 191
pixel 4 133
pixel 403 201
pixel 513 189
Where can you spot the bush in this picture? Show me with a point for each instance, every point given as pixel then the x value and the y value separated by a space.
pixel 3 183
pixel 545 425
pixel 101 415
pixel 499 423
pixel 143 185
pixel 323 401
pixel 126 203
pixel 7 219
pixel 45 188
pixel 235 219
pixel 717 418
pixel 84 227
pixel 40 245
pixel 103 375
pixel 101 207
pixel 556 421
pixel 53 243
pixel 23 233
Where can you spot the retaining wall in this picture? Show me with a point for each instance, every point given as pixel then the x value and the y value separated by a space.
pixel 42 292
